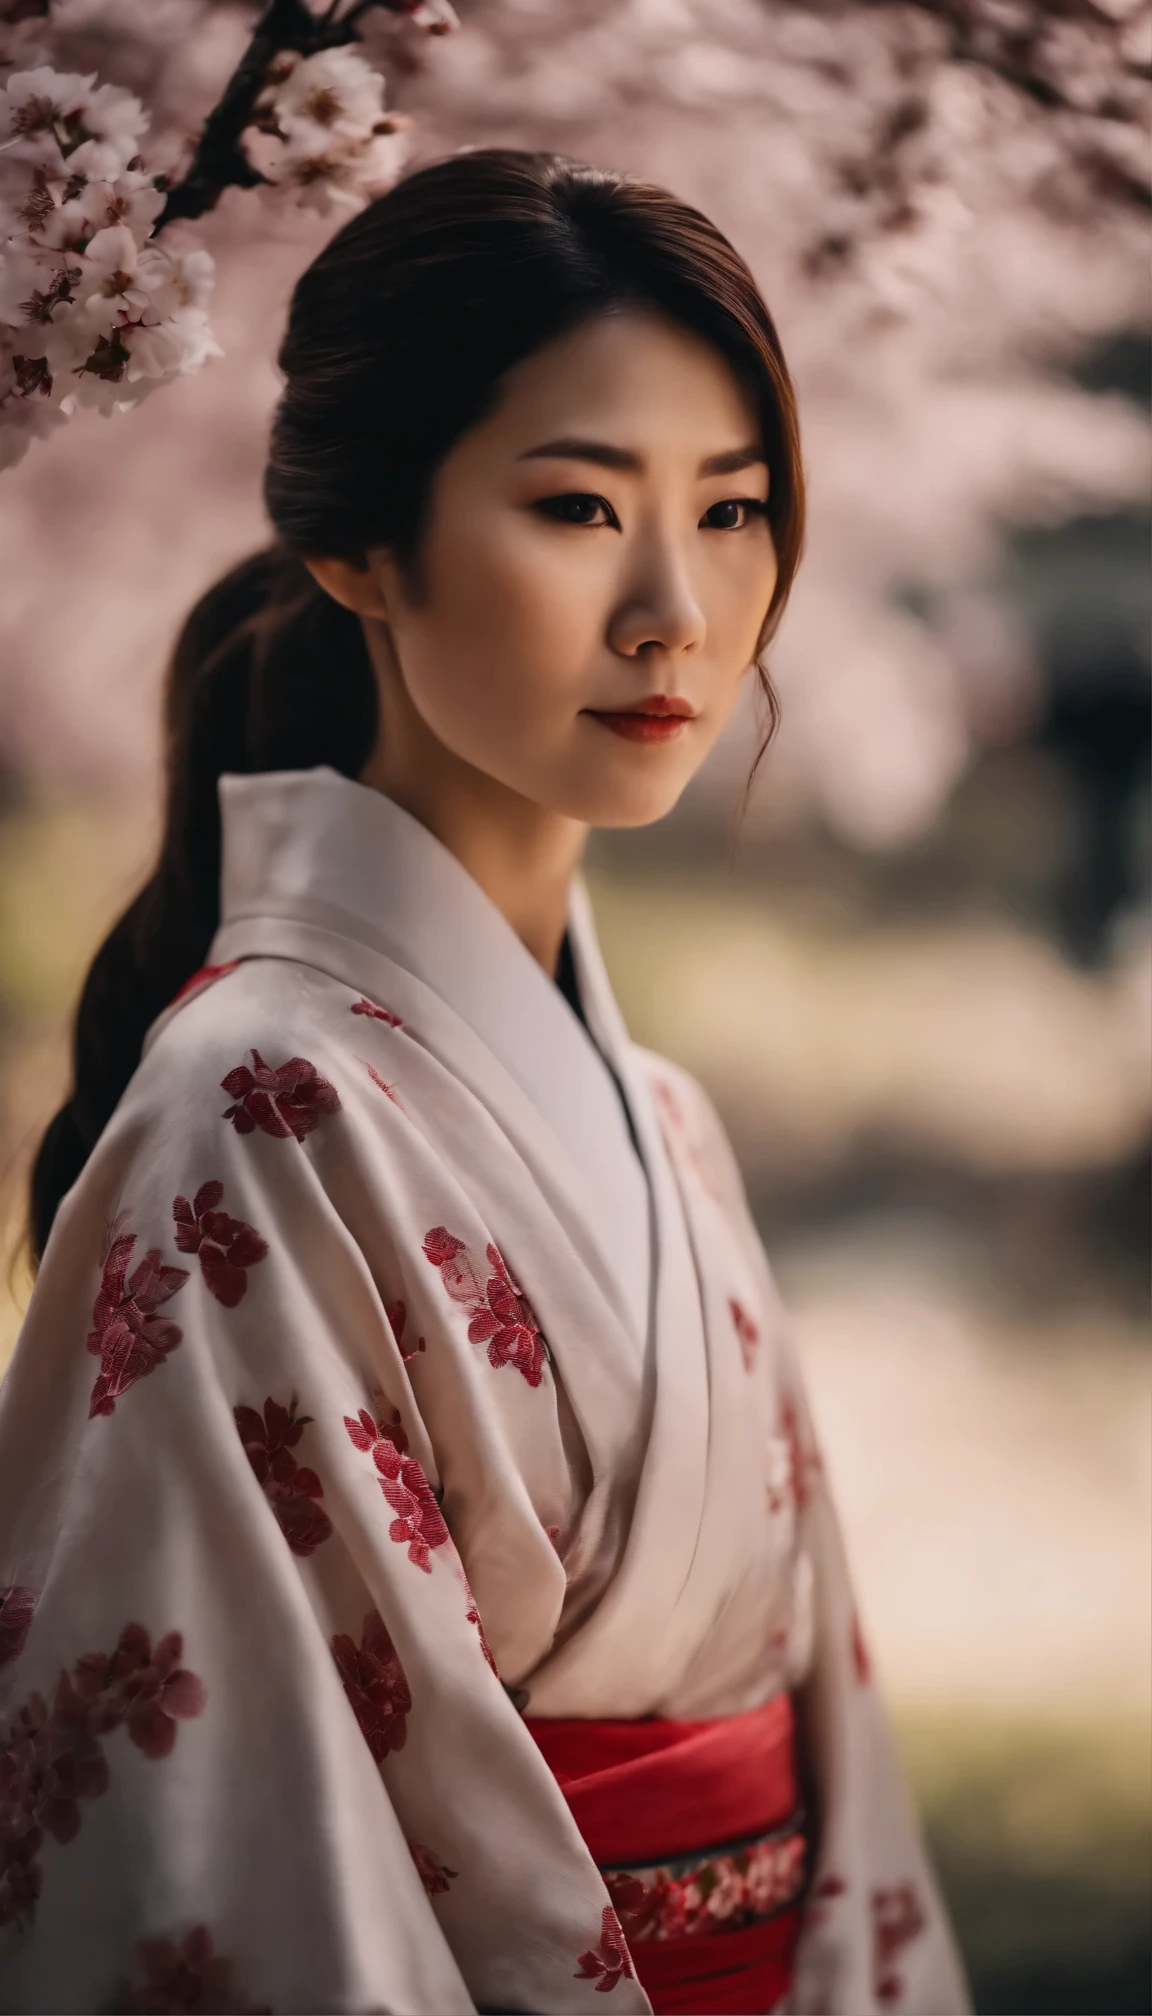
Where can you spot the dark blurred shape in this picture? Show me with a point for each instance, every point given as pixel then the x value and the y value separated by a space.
pixel 1043 1846
pixel 1098 723
pixel 1088 589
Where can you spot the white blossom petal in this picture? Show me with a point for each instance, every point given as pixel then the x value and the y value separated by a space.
pixel 172 348
pixel 331 96
pixel 131 199
pixel 31 280
pixel 23 421
pixel 92 311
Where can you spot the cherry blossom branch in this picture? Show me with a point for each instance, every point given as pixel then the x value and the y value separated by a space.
pixel 92 310
pixel 220 161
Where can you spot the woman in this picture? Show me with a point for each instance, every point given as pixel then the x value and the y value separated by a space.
pixel 422 1593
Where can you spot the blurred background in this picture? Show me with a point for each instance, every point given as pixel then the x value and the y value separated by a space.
pixel 915 974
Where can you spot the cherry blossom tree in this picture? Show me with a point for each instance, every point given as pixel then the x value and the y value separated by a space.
pixel 92 309
pixel 946 204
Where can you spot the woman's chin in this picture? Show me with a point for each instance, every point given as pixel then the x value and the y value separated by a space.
pixel 628 784
pixel 640 804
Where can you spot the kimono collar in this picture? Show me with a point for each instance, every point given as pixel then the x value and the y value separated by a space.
pixel 316 847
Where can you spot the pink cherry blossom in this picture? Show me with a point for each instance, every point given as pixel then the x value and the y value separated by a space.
pixel 321 130
pixel 131 199
pixel 98 315
pixel 41 114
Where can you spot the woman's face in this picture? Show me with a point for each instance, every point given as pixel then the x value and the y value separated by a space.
pixel 594 576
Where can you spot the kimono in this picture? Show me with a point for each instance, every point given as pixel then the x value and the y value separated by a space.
pixel 404 1373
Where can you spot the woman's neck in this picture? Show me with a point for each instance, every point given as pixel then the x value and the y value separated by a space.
pixel 522 855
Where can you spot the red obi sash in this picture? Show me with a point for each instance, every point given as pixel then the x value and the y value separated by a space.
pixel 697 1829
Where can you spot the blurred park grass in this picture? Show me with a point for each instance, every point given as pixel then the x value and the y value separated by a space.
pixel 1040 1832
pixel 984 1414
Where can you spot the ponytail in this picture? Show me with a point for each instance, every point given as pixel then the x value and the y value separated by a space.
pixel 268 673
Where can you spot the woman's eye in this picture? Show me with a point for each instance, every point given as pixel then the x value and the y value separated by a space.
pixel 734 513
pixel 577 507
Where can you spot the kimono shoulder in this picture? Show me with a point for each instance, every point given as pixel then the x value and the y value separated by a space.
pixel 264 1051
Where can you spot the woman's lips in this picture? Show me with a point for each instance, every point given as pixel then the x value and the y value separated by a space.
pixel 661 721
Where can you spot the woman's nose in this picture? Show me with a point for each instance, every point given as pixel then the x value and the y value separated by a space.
pixel 658 609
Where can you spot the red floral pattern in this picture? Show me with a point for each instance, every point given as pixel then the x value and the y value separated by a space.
pixel 147 1689
pixel 397 1314
pixel 127 1336
pixel 291 1489
pixel 419 1522
pixel 829 1887
pixel 500 1314
pixel 897 1918
pixel 51 1759
pixel 227 1246
pixel 380 1083
pixel 820 1904
pixel 861 1662
pixel 375 1685
pixel 433 1873
pixel 366 1007
pixel 473 1617
pixel 746 1331
pixel 185 1979
pixel 804 1461
pixel 679 1139
pixel 202 979
pixel 288 1101
pixel 16 1608
pixel 696 1896
pixel 610 1962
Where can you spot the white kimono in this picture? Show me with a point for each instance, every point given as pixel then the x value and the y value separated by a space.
pixel 387 1376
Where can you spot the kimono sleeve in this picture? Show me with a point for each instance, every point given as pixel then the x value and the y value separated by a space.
pixel 253 1751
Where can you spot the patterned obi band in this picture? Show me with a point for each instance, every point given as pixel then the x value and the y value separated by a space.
pixel 698 1830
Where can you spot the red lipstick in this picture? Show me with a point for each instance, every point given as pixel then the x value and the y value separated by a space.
pixel 658 719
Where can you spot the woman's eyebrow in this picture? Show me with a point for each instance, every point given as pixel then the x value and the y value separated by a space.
pixel 733 459
pixel 576 448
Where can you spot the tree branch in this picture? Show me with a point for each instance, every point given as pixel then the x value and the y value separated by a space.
pixel 219 161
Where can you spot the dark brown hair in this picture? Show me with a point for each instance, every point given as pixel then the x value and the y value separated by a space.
pixel 398 337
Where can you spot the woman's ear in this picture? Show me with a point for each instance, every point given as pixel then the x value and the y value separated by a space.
pixel 351 583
